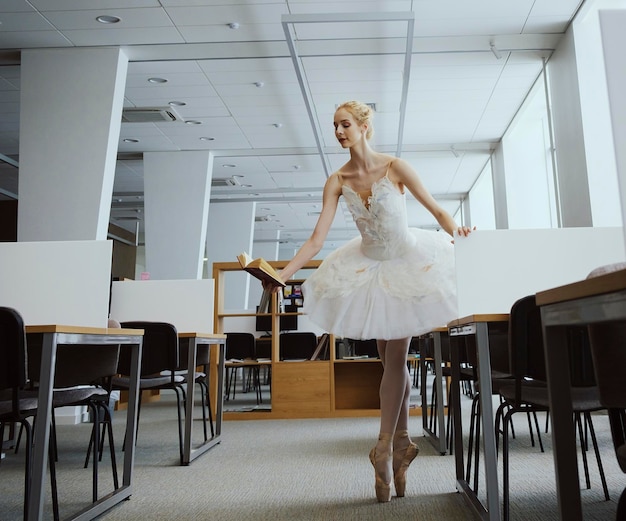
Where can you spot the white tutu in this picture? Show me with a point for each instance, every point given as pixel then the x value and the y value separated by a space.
pixel 405 285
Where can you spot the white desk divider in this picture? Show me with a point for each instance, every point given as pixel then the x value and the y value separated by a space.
pixel 57 282
pixel 187 304
pixel 496 267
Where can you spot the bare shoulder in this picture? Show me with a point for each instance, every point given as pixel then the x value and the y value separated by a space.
pixel 333 183
pixel 400 171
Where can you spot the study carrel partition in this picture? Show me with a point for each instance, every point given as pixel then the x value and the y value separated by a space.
pixel 494 268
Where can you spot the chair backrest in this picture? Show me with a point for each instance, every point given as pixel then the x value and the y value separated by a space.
pixel 608 350
pixel 240 346
pixel 160 350
pixel 13 367
pixel 85 364
pixel 297 345
pixel 526 349
pixel 366 347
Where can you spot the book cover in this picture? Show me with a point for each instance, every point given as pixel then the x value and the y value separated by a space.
pixel 260 269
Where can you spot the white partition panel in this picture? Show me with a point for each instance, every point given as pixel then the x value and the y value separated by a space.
pixel 188 304
pixel 496 267
pixel 57 282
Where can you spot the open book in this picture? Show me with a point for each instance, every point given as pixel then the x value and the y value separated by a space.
pixel 260 268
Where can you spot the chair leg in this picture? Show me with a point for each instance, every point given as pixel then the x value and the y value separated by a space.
pixel 470 442
pixel 180 422
pixel 505 464
pixel 538 433
pixel 52 458
pixel 594 442
pixel 583 449
pixel 203 405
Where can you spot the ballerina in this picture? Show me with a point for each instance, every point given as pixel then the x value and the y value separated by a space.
pixel 391 282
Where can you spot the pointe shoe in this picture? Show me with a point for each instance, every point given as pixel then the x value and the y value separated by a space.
pixel 402 458
pixel 383 488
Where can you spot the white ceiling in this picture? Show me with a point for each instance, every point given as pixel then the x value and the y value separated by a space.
pixel 457 102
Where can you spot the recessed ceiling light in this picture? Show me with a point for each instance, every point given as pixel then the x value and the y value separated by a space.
pixel 259 84
pixel 229 165
pixel 106 19
pixel 296 167
pixel 277 125
pixel 204 138
pixel 233 25
pixel 193 122
pixel 248 186
pixel 157 80
pixel 177 103
pixel 129 140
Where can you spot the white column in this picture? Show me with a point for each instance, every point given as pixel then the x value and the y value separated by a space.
pixel 568 134
pixel 613 25
pixel 70 116
pixel 177 192
pixel 231 228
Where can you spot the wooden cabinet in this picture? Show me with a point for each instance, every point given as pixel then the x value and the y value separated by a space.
pixel 308 389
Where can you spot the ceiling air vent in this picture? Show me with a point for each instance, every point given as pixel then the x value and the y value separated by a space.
pixel 228 181
pixel 149 115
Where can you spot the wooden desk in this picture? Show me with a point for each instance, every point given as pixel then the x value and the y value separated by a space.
pixel 477 325
pixel 600 299
pixel 438 440
pixel 53 336
pixel 219 342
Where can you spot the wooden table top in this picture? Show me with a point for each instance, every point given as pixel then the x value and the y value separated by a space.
pixel 195 334
pixel 607 283
pixel 82 330
pixel 474 319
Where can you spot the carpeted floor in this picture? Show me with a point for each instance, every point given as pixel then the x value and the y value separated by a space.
pixel 269 470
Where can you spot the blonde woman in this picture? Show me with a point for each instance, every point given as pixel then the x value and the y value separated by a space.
pixel 390 283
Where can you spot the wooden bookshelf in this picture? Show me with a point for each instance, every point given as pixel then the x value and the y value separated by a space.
pixel 307 389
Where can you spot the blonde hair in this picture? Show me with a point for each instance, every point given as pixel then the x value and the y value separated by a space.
pixel 362 113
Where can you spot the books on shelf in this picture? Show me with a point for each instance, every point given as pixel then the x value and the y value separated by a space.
pixel 321 351
pixel 260 268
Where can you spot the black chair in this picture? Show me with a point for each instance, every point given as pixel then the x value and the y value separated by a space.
pixel 82 377
pixel 365 348
pixel 297 345
pixel 160 354
pixel 16 404
pixel 241 354
pixel 608 351
pixel 501 375
pixel 529 393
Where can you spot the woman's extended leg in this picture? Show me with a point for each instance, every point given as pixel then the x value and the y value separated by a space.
pixel 395 390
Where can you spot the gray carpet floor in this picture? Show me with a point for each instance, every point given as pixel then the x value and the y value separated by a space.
pixel 271 470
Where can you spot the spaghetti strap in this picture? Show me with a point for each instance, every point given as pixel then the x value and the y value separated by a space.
pixel 388 168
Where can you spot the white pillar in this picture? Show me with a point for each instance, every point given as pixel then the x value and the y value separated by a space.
pixel 177 191
pixel 568 134
pixel 231 228
pixel 613 25
pixel 70 116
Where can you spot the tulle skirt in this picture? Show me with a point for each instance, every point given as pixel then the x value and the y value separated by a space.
pixel 354 296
